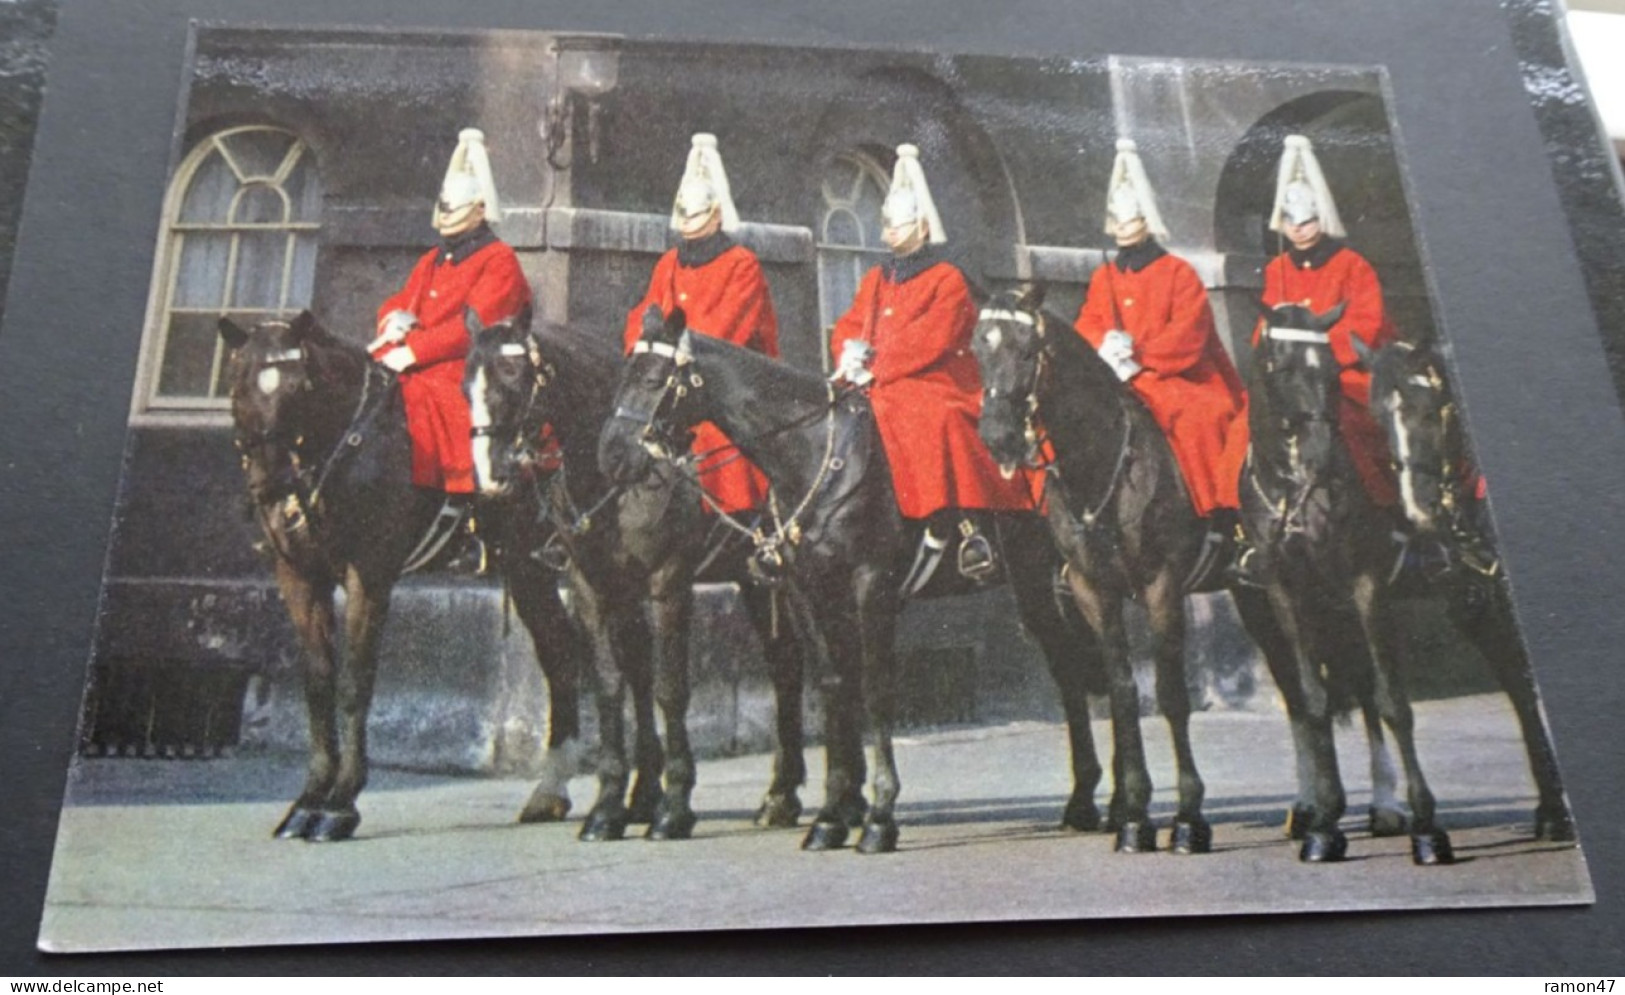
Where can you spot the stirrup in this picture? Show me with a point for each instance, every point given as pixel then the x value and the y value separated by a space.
pixel 976 558
pixel 1244 567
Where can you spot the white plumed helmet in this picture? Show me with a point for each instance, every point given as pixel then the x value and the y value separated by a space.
pixel 909 199
pixel 1129 194
pixel 1301 193
pixel 704 185
pixel 468 177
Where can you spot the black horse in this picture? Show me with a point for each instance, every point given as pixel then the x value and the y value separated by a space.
pixel 839 546
pixel 633 552
pixel 1411 398
pixel 322 434
pixel 1121 515
pixel 1325 555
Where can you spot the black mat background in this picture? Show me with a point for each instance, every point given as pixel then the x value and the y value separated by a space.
pixel 1509 292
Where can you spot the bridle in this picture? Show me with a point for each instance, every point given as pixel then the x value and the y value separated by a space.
pixel 527 425
pixel 1289 509
pixel 1447 471
pixel 659 435
pixel 1033 430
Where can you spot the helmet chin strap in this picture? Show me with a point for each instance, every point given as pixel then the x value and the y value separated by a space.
pixel 465 218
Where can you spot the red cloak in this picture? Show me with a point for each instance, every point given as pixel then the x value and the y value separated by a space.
pixel 1322 278
pixel 1188 380
pixel 726 298
pixel 927 391
pixel 489 280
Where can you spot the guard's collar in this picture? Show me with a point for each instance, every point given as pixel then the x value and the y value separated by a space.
pixel 901 269
pixel 692 252
pixel 1316 255
pixel 459 247
pixel 1139 255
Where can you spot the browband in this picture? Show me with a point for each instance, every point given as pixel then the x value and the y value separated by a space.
pixel 285 356
pixel 1298 335
pixel 999 314
pixel 513 349
pixel 671 352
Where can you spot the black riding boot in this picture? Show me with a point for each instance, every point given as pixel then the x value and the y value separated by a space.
pixel 1243 563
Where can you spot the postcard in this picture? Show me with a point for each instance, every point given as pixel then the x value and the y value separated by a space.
pixel 585 483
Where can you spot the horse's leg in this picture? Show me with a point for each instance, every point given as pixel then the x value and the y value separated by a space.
pixel 559 652
pixel 631 636
pixel 1131 788
pixel 781 807
pixel 1258 618
pixel 876 595
pixel 1323 841
pixel 310 606
pixel 828 633
pixel 671 606
pixel 608 817
pixel 366 608
pixel 1386 817
pixel 1028 556
pixel 1429 844
pixel 1165 603
pixel 1493 631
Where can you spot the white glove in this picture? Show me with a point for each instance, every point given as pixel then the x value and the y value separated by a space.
pixel 392 330
pixel 856 355
pixel 1117 350
pixel 399 358
pixel 1126 368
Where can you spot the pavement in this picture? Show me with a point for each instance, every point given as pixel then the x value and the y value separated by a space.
pixel 164 854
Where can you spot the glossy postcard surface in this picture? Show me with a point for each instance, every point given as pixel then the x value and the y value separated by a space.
pixel 1110 542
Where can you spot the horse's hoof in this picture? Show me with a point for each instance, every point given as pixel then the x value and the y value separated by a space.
pixel 825 836
pixel 672 825
pixel 1431 848
pixel 1136 837
pixel 1298 820
pixel 645 802
pixel 296 824
pixel 1388 822
pixel 1191 836
pixel 1555 826
pixel 878 837
pixel 779 812
pixel 545 808
pixel 601 828
pixel 331 827
pixel 1081 816
pixel 1323 846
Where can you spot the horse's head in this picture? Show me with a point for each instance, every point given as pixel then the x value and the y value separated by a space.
pixel 1410 397
pixel 505 379
pixel 658 403
pixel 270 372
pixel 1009 346
pixel 1298 377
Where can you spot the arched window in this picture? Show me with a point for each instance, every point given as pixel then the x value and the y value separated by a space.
pixel 854 186
pixel 240 229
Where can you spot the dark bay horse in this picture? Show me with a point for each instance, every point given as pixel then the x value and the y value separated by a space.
pixel 322 435
pixel 1120 514
pixel 633 555
pixel 839 546
pixel 1325 553
pixel 1412 400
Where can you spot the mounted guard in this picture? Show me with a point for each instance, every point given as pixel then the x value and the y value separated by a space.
pixel 906 339
pixel 422 334
pixel 1147 315
pixel 1319 272
pixel 720 287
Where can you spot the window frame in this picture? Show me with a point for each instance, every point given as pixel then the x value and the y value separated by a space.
pixel 147 405
pixel 868 168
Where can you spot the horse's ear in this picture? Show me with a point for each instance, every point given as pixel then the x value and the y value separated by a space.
pixel 1030 296
pixel 471 319
pixel 303 324
pixel 522 320
pixel 1332 317
pixel 1264 310
pixel 653 321
pixel 232 333
pixel 676 323
pixel 1362 352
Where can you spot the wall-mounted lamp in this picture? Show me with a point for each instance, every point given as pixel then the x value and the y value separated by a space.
pixel 585 67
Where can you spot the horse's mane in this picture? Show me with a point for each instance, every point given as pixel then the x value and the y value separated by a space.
pixel 589 363
pixel 759 368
